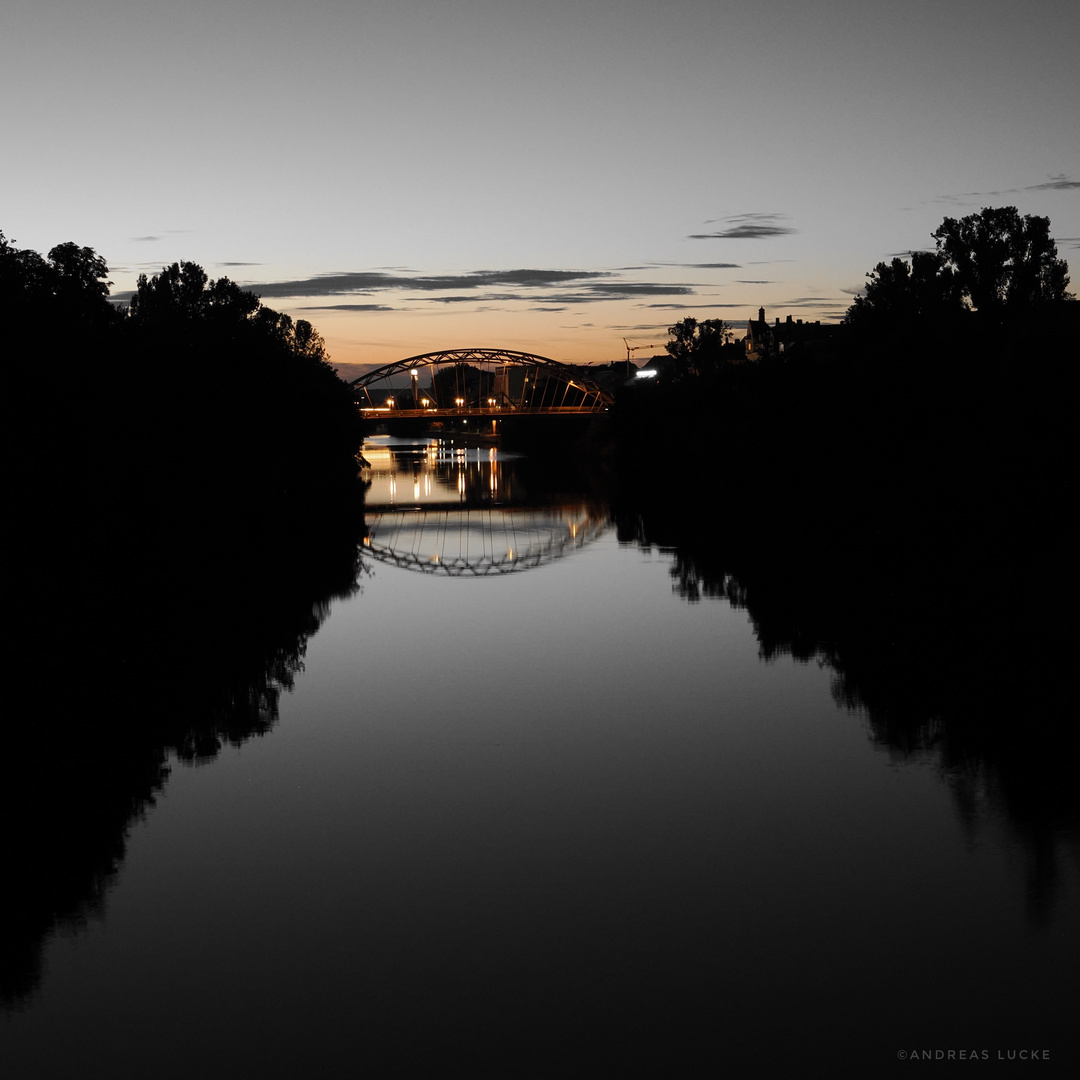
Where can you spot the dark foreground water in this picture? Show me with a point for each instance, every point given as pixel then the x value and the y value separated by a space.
pixel 551 795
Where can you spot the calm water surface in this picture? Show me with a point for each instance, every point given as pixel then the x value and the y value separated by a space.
pixel 528 810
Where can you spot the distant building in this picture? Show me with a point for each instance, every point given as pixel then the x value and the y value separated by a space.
pixel 793 335
pixel 759 339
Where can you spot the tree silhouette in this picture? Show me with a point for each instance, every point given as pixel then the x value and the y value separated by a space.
pixel 70 288
pixel 901 294
pixel 696 346
pixel 1002 262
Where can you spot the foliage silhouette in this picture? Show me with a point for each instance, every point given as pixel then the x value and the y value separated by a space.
pixel 1002 262
pixel 882 497
pixel 902 296
pixel 940 612
pixel 134 652
pixel 697 347
pixel 183 479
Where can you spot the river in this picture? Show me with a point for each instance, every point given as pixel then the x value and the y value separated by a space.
pixel 572 784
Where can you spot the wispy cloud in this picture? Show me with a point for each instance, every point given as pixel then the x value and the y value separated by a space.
pixel 1056 183
pixel 808 301
pixel 370 280
pixel 1061 182
pixel 145 239
pixel 544 287
pixel 747 227
pixel 691 307
pixel 348 307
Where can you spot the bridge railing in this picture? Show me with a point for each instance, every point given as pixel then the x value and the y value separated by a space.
pixel 485 412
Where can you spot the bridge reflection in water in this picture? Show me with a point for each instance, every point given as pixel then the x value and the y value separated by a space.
pixel 447 509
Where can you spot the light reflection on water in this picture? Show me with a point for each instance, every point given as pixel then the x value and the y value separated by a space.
pixel 559 820
pixel 405 472
pixel 442 508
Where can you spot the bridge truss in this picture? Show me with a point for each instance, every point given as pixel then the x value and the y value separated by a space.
pixel 487 381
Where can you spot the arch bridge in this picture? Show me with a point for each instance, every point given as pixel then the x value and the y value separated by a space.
pixel 478 382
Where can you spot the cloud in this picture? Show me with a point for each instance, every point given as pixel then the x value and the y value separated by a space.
pixel 473 299
pixel 589 293
pixel 1061 182
pixel 808 301
pixel 707 266
pixel 348 307
pixel 691 307
pixel 1056 183
pixel 752 281
pixel 540 289
pixel 627 289
pixel 169 232
pixel 239 264
pixel 747 227
pixel 367 281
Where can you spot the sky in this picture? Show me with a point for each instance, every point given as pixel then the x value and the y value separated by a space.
pixel 552 177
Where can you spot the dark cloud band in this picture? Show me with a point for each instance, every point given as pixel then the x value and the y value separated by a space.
pixel 747 227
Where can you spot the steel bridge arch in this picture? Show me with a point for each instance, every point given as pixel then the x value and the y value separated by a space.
pixel 595 398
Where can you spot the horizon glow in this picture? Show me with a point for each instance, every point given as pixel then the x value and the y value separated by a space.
pixel 707 159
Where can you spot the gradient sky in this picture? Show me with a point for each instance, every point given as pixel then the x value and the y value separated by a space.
pixel 553 176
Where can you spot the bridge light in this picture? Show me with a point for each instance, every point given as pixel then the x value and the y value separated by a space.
pixel 413 372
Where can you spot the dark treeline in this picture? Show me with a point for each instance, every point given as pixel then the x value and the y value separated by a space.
pixel 897 506
pixel 183 492
pixel 956 367
pixel 195 390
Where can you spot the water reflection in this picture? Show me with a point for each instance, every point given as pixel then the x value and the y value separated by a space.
pixel 466 509
pixel 405 472
pixel 479 543
pixel 191 645
pixel 913 615
pixel 162 642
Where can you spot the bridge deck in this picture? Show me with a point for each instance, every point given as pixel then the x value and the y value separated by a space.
pixel 487 414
